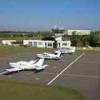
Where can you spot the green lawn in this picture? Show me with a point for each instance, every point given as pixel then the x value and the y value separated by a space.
pixel 10 90
pixel 10 50
pixel 90 50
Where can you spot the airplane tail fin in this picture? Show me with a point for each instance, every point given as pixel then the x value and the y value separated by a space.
pixel 58 53
pixel 40 62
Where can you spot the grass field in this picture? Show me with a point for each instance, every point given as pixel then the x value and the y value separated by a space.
pixel 10 50
pixel 88 49
pixel 10 90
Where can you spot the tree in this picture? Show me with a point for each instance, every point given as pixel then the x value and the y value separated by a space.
pixel 79 40
pixel 94 38
pixel 75 39
pixel 85 40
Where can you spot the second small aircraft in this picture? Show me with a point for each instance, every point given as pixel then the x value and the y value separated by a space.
pixel 56 55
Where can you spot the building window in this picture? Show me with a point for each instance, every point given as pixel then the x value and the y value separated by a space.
pixel 64 44
pixel 40 43
pixel 49 44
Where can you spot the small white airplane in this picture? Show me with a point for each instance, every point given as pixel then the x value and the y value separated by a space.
pixel 56 55
pixel 68 50
pixel 24 65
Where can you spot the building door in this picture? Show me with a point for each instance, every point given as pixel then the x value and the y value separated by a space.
pixel 35 44
pixel 45 45
pixel 30 43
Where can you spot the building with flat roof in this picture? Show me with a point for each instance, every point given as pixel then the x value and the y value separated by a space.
pixel 47 44
pixel 8 42
pixel 78 32
pixel 38 43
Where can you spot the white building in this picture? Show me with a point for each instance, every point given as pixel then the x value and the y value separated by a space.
pixel 58 38
pixel 78 32
pixel 56 43
pixel 7 42
pixel 47 44
pixel 59 34
pixel 38 43
pixel 61 43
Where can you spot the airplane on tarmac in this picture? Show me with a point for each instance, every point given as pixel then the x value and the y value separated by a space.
pixel 24 65
pixel 68 50
pixel 56 55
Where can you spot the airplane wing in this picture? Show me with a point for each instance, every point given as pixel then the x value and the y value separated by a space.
pixel 69 50
pixel 48 54
pixel 32 61
pixel 13 69
pixel 42 56
pixel 40 67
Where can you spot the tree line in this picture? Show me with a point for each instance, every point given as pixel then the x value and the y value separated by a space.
pixel 23 34
pixel 77 40
pixel 84 40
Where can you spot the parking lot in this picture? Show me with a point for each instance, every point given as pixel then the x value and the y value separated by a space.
pixel 80 71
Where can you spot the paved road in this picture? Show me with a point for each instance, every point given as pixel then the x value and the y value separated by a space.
pixel 83 75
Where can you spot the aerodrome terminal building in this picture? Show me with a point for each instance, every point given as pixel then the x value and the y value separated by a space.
pixel 58 42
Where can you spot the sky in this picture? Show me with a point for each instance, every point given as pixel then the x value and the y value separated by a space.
pixel 42 15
